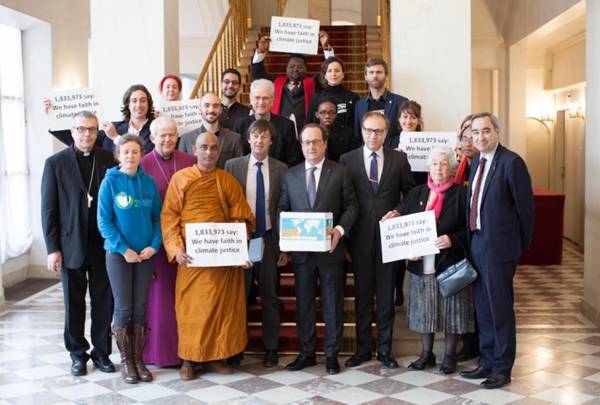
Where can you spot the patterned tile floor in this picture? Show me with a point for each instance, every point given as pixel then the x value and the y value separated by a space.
pixel 558 361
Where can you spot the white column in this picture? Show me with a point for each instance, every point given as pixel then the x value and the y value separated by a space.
pixel 431 58
pixel 591 292
pixel 514 136
pixel 132 42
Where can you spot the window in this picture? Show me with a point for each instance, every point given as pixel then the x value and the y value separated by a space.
pixel 15 229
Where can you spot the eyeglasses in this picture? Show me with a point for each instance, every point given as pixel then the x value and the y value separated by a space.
pixel 89 130
pixel 313 142
pixel 376 131
pixel 234 82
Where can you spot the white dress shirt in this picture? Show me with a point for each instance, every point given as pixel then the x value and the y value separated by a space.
pixel 489 157
pixel 319 166
pixel 367 155
pixel 251 187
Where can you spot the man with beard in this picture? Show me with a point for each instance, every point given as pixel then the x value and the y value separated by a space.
pixel 339 138
pixel 231 82
pixel 229 141
pixel 293 91
pixel 379 99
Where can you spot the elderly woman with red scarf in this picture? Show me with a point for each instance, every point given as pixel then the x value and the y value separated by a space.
pixel 428 311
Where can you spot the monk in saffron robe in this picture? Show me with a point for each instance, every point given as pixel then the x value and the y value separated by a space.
pixel 210 303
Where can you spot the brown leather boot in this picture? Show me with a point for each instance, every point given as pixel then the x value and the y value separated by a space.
pixel 139 339
pixel 125 345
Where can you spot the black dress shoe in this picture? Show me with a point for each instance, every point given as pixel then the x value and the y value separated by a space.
pixel 448 365
pixel 388 360
pixel 332 365
pixel 271 358
pixel 426 359
pixel 357 359
pixel 476 374
pixel 235 360
pixel 103 364
pixel 495 381
pixel 301 362
pixel 79 368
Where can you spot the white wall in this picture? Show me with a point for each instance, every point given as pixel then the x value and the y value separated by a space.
pixel 591 291
pixel 433 66
pixel 199 23
pixel 129 43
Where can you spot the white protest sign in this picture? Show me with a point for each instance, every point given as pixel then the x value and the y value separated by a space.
pixel 67 103
pixel 294 35
pixel 417 145
pixel 212 244
pixel 185 112
pixel 408 236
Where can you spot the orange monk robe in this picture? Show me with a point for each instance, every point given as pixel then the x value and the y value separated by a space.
pixel 210 302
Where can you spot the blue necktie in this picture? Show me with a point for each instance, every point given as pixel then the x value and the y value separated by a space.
pixel 312 187
pixel 261 222
pixel 373 173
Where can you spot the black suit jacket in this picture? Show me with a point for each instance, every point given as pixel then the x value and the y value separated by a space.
pixel 451 222
pixel 285 147
pixel 238 167
pixel 396 181
pixel 65 206
pixel 335 194
pixel 507 206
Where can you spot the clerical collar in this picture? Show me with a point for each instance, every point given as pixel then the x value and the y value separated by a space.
pixel 82 153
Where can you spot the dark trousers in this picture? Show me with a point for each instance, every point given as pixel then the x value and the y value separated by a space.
pixel 331 279
pixel 373 278
pixel 494 308
pixel 268 283
pixel 75 283
pixel 130 283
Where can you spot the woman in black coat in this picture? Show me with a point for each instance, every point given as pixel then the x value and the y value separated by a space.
pixel 428 311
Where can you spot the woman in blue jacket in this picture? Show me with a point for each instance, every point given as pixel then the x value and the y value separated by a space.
pixel 129 220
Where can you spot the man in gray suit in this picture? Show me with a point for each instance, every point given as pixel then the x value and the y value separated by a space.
pixel 260 177
pixel 381 177
pixel 319 185
pixel 229 141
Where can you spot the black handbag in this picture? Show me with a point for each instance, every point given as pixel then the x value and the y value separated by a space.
pixel 456 277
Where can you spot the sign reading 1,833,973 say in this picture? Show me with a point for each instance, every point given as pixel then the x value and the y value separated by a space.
pixel 294 35
pixel 417 145
pixel 67 103
pixel 216 244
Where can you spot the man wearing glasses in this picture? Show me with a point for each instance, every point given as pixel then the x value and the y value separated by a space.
pixel 231 82
pixel 75 248
pixel 381 177
pixel 319 185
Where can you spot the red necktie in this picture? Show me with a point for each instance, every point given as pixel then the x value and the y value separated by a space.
pixel 475 199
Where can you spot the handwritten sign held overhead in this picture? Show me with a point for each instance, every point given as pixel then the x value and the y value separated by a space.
pixel 294 35
pixel 67 103
pixel 417 145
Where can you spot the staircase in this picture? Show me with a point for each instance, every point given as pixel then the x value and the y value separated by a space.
pixel 354 45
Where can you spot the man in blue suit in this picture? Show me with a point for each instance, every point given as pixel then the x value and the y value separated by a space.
pixel 378 99
pixel 500 212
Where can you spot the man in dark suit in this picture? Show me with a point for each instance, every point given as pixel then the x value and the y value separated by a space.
pixel 260 177
pixel 285 147
pixel 381 177
pixel 319 185
pixel 379 99
pixel 500 212
pixel 75 248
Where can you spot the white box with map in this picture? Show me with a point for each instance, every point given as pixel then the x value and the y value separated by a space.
pixel 305 231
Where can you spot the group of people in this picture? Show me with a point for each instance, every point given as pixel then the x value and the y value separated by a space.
pixel 116 202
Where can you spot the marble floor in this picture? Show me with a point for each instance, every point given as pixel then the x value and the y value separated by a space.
pixel 558 361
